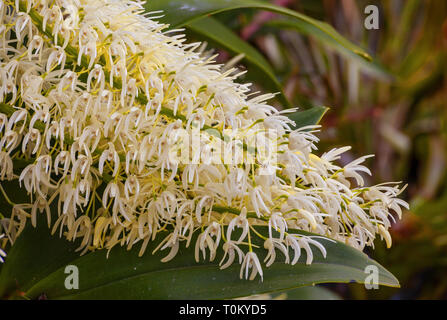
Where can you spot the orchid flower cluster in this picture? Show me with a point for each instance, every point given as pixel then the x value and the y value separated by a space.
pixel 92 93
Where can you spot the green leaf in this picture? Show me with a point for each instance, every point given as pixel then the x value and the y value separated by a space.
pixel 308 117
pixel 214 31
pixel 179 13
pixel 36 264
pixel 33 256
pixel 372 67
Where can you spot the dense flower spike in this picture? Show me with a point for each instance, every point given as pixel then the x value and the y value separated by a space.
pixel 94 97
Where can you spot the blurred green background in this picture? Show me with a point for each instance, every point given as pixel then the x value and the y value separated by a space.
pixel 393 107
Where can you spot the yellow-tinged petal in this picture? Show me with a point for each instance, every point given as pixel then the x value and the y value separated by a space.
pixel 309 217
pixel 99 227
pixel 386 235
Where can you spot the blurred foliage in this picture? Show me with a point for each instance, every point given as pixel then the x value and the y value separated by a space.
pixel 393 107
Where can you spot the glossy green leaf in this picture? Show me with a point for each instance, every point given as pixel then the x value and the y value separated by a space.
pixel 212 30
pixel 33 256
pixel 308 117
pixel 36 265
pixel 179 13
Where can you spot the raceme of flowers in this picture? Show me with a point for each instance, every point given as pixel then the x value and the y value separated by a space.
pixel 91 92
